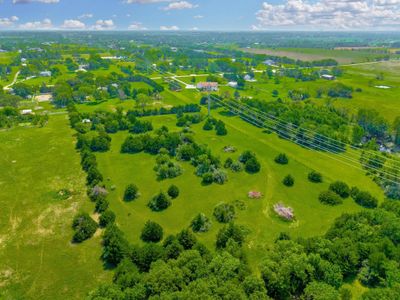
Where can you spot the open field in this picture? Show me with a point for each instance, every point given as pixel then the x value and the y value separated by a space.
pixel 37 258
pixel 342 56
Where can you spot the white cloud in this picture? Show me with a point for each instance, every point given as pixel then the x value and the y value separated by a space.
pixel 30 1
pixel 179 5
pixel 8 22
pixel 198 17
pixel 73 24
pixel 37 25
pixel 329 14
pixel 146 1
pixel 169 28
pixel 137 26
pixel 103 25
pixel 85 16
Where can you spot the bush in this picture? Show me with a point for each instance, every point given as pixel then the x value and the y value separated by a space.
pixel 159 202
pixel 151 232
pixel 207 178
pixel 252 165
pixel 220 128
pixel 340 188
pixel 224 213
pixel 315 177
pixel 237 166
pixel 228 163
pixel 365 199
pixel 107 218
pixel 84 227
pixel 208 125
pixel 132 144
pixel 131 192
pixel 282 159
pixel 288 180
pixel 100 144
pixel 230 232
pixel 186 238
pixel 245 156
pixel 201 223
pixel 101 205
pixel 330 198
pixel 173 191
pixel 219 176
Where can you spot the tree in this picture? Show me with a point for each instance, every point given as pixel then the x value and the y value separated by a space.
pixel 159 202
pixel 288 180
pixel 282 159
pixel 101 205
pixel 330 198
pixel 252 166
pixel 115 246
pixel 208 125
pixel 224 213
pixel 365 199
pixel 340 188
pixel 201 223
pixel 173 191
pixel 152 232
pixel 320 291
pixel 220 128
pixel 186 238
pixel 107 218
pixel 131 192
pixel 315 177
pixel 230 232
pixel 84 227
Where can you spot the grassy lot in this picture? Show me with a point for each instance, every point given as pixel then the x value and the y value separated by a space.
pixel 37 259
pixel 313 218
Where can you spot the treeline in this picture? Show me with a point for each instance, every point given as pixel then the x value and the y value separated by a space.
pixel 11 116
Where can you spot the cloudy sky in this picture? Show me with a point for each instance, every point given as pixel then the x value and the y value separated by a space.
pixel 199 15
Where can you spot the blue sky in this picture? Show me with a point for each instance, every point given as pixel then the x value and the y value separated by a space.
pixel 200 14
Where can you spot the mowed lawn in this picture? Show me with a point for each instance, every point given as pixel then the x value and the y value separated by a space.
pixel 37 259
pixel 312 218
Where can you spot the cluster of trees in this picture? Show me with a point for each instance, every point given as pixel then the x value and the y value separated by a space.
pixel 11 116
pixel 219 126
pixel 178 110
pixel 250 162
pixel 166 167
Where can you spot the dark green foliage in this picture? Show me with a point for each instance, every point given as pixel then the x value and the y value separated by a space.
pixel 115 246
pixel 246 156
pixel 252 166
pixel 84 227
pixel 224 212
pixel 151 232
pixel 220 128
pixel 201 223
pixel 237 166
pixel 131 192
pixel 141 127
pixel 207 178
pixel 315 177
pixel 101 205
pixel 282 159
pixel 173 191
pixel 107 218
pixel 230 232
pixel 132 144
pixel 340 188
pixel 143 257
pixel 208 125
pixel 365 199
pixel 330 198
pixel 320 291
pixel 159 202
pixel 288 181
pixel 100 143
pixel 228 163
pixel 186 238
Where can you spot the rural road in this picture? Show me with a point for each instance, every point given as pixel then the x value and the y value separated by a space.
pixel 7 87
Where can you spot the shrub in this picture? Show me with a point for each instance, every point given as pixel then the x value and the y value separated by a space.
pixel 84 227
pixel 315 177
pixel 207 178
pixel 330 198
pixel 230 232
pixel 245 156
pixel 131 192
pixel 100 144
pixel 101 205
pixel 252 165
pixel 106 218
pixel 228 163
pixel 159 202
pixel 224 213
pixel 340 188
pixel 186 238
pixel 151 232
pixel 173 191
pixel 132 144
pixel 365 199
pixel 237 166
pixel 208 125
pixel 288 180
pixel 219 176
pixel 282 159
pixel 220 128
pixel 201 223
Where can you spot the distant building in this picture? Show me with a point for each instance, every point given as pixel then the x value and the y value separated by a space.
pixel 328 77
pixel 86 121
pixel 26 112
pixel 174 49
pixel 269 62
pixel 208 86
pixel 233 84
pixel 247 77
pixel 45 73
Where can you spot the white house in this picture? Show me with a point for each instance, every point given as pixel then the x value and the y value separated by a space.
pixel 208 86
pixel 328 77
pixel 45 73
pixel 233 84
pixel 26 112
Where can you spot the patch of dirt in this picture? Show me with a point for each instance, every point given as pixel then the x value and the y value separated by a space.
pixel 6 277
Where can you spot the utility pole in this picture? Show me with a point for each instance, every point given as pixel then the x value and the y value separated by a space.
pixel 209 103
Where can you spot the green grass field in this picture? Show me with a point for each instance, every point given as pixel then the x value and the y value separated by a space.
pixel 312 218
pixel 37 259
